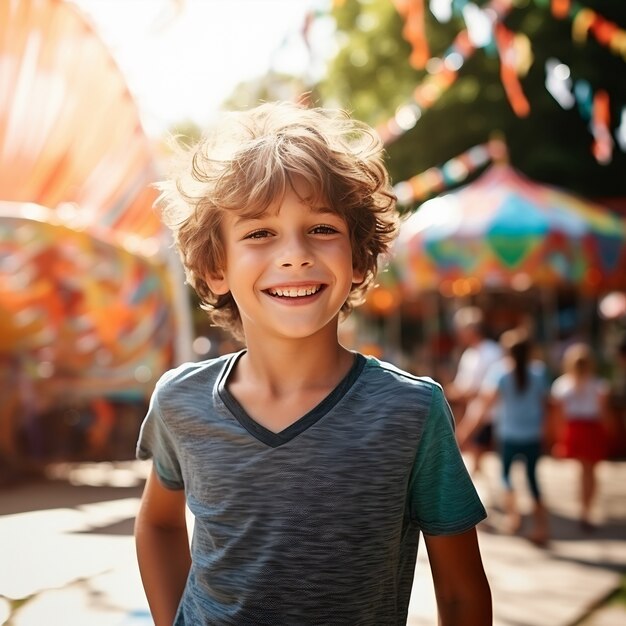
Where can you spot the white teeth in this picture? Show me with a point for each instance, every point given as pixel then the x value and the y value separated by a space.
pixel 294 292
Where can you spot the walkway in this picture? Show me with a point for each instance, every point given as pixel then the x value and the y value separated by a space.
pixel 68 557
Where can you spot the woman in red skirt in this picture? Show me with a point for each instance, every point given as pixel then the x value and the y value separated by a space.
pixel 581 402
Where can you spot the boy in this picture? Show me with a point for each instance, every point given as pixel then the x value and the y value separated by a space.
pixel 310 469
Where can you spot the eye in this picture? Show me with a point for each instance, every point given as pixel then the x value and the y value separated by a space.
pixel 324 229
pixel 261 233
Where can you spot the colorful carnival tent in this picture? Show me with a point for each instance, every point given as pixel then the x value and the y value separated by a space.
pixel 86 285
pixel 504 230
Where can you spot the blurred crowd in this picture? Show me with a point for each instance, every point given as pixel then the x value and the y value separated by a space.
pixel 506 399
pixel 39 426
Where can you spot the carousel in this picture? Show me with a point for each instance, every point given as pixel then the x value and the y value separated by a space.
pixel 523 251
pixel 92 301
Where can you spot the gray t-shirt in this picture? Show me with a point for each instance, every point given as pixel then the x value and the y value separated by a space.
pixel 318 524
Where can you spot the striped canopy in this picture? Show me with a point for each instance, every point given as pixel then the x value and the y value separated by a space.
pixel 505 230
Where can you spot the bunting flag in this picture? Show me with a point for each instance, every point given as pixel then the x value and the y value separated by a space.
pixel 452 172
pixel 600 127
pixel 559 83
pixel 441 9
pixel 560 8
pixel 584 98
pixel 414 30
pixel 505 41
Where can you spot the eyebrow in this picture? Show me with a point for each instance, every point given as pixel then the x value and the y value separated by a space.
pixel 324 209
pixel 242 219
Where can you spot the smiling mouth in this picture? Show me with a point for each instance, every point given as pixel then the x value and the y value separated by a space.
pixel 294 292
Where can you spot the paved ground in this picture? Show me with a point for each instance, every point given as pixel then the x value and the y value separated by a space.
pixel 67 557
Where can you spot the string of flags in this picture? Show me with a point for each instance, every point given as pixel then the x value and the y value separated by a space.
pixel 442 72
pixel 453 172
pixel 593 107
pixel 485 29
pixel 586 21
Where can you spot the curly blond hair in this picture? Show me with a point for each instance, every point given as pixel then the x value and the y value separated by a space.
pixel 248 160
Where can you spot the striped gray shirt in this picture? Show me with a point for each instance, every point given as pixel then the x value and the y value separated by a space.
pixel 318 524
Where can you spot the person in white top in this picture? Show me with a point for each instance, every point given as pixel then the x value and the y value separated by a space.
pixel 581 403
pixel 479 355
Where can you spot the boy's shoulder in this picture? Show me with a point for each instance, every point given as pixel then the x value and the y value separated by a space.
pixel 382 376
pixel 193 372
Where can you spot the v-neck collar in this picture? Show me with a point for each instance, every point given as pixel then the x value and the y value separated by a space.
pixel 305 422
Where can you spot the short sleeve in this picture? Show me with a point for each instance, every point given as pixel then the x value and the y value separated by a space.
pixel 465 377
pixel 493 379
pixel 156 442
pixel 558 389
pixel 442 497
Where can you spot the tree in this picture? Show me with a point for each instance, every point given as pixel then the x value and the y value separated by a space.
pixel 269 87
pixel 371 76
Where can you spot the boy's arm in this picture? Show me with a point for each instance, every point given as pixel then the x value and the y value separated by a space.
pixel 162 548
pixel 461 587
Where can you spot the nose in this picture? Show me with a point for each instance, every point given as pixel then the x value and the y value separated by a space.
pixel 295 253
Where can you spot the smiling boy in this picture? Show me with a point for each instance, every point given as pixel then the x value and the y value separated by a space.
pixel 310 469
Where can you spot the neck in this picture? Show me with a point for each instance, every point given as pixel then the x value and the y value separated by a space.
pixel 289 365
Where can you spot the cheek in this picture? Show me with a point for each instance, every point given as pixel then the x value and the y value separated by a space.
pixel 249 260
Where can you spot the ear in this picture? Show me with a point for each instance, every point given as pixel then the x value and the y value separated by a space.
pixel 217 283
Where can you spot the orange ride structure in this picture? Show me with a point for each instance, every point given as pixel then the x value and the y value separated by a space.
pixel 90 295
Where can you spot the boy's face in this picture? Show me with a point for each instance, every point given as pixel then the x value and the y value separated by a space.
pixel 289 271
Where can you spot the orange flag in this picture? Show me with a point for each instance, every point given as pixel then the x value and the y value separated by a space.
pixel 414 30
pixel 600 127
pixel 560 8
pixel 508 72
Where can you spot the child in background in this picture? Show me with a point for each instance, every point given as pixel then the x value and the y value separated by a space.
pixel 310 469
pixel 520 386
pixel 582 410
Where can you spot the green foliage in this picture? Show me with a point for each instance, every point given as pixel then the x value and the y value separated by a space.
pixel 267 88
pixel 371 76
pixel 366 77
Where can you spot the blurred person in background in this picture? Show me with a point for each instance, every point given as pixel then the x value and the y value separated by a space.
pixel 520 385
pixel 479 355
pixel 581 410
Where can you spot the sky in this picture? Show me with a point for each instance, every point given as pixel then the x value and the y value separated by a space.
pixel 182 58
